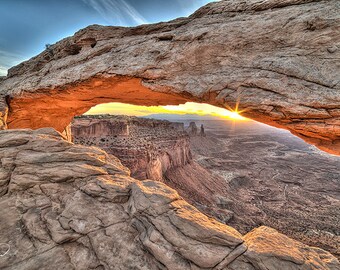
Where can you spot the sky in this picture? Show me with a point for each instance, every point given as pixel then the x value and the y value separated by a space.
pixel 27 25
pixel 187 108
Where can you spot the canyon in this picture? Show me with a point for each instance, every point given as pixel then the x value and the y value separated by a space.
pixel 147 147
pixel 156 150
pixel 273 178
pixel 73 206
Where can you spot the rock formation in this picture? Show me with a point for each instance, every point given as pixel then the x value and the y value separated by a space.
pixel 202 133
pixel 66 206
pixel 99 126
pixel 276 61
pixel 149 148
pixel 222 180
pixel 192 129
pixel 3 114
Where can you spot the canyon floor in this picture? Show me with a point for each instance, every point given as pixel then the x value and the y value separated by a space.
pixel 275 179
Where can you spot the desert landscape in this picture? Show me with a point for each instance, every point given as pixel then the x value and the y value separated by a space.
pixel 274 179
pixel 232 163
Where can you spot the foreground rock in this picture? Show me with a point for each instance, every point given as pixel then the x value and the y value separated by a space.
pixel 65 206
pixel 277 59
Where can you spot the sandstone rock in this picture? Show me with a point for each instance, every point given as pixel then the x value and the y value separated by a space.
pixel 101 126
pixel 277 61
pixel 157 150
pixel 202 133
pixel 268 249
pixel 95 216
pixel 3 113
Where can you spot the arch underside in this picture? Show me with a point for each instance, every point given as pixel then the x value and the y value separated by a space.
pixel 57 108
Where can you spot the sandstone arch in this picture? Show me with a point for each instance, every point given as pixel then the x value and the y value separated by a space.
pixel 279 59
pixel 70 206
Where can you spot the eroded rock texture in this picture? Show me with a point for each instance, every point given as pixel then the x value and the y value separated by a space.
pixel 66 206
pixel 278 59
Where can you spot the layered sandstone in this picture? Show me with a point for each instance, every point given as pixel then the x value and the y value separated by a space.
pixel 66 206
pixel 276 61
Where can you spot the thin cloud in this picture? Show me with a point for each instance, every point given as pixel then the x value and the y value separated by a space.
pixel 116 11
pixel 3 71
pixel 8 60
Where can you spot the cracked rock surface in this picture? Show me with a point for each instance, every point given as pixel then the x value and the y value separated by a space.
pixel 66 206
pixel 278 59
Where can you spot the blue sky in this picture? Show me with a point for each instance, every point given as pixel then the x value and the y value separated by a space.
pixel 27 25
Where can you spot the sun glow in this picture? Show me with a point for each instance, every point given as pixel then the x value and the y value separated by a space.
pixel 182 109
pixel 235 115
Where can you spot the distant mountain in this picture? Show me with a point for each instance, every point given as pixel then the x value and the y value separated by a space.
pixel 182 117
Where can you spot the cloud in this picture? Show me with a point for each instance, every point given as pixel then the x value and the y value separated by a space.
pixel 8 60
pixel 3 71
pixel 116 11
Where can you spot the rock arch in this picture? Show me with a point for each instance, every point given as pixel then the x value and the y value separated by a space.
pixel 279 60
pixel 62 202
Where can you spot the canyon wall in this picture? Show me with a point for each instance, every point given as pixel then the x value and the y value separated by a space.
pixel 87 127
pixel 275 61
pixel 149 148
pixel 67 206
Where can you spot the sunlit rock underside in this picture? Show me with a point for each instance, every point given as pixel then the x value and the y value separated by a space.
pixel 278 59
pixel 67 206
